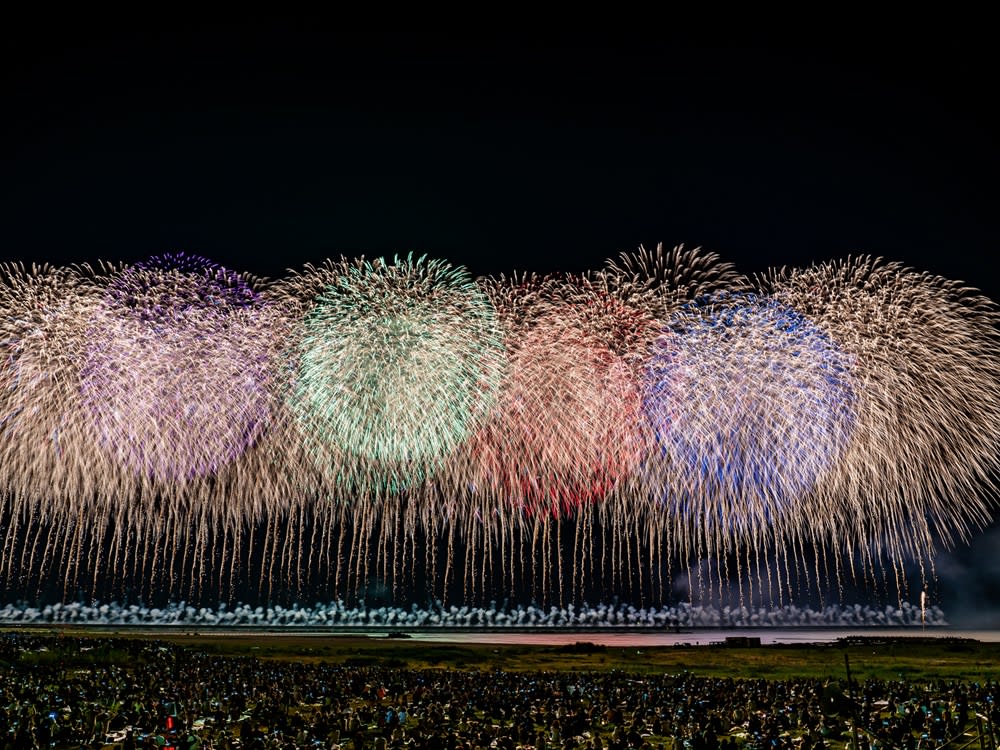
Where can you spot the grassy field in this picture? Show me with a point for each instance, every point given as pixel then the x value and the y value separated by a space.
pixel 917 658
pixel 914 661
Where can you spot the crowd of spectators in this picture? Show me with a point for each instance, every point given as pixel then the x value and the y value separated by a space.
pixel 132 693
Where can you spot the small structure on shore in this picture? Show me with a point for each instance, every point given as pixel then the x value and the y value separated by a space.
pixel 741 641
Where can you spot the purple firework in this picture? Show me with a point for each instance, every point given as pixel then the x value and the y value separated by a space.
pixel 177 377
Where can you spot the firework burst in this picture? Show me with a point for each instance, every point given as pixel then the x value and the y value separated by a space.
pixel 45 450
pixel 751 406
pixel 920 466
pixel 177 375
pixel 565 429
pixel 396 364
pixel 180 424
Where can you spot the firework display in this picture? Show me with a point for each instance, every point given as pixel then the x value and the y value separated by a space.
pixel 44 449
pixel 395 365
pixel 924 354
pixel 369 425
pixel 176 375
pixel 751 405
pixel 566 426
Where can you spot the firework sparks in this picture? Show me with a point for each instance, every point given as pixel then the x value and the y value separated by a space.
pixel 176 375
pixel 178 423
pixel 920 466
pixel 397 364
pixel 566 426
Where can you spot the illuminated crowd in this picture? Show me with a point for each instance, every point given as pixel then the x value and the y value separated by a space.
pixel 128 693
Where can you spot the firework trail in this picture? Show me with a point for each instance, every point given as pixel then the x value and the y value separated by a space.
pixel 50 470
pixel 664 280
pixel 568 436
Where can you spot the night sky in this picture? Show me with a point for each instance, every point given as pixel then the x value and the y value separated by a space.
pixel 267 150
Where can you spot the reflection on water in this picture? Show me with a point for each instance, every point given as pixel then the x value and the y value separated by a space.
pixel 612 639
pixel 701 637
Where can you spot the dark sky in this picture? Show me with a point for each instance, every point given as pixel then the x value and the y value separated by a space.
pixel 264 150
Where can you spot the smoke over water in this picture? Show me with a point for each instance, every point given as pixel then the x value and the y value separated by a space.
pixel 969 582
pixel 337 615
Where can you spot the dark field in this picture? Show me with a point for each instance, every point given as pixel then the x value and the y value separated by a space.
pixel 913 658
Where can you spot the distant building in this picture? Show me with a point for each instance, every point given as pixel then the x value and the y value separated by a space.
pixel 741 641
